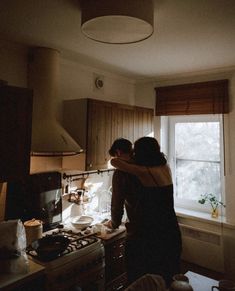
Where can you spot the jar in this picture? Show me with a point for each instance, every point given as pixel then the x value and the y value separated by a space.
pixel 33 230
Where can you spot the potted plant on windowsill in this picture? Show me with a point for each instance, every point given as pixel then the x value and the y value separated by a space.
pixel 213 201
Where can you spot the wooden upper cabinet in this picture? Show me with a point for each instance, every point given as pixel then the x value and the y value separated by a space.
pixel 123 122
pixel 99 136
pixel 95 124
pixel 15 132
pixel 143 122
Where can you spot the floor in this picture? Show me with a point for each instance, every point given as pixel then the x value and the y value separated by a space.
pixel 185 266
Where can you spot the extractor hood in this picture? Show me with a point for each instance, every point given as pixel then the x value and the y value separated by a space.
pixel 49 138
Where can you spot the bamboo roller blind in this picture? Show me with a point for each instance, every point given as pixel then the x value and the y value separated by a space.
pixel 197 98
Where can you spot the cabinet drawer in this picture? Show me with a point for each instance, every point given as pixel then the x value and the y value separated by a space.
pixel 115 251
pixel 114 269
pixel 117 284
pixel 114 259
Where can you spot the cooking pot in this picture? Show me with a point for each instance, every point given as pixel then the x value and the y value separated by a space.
pixel 50 247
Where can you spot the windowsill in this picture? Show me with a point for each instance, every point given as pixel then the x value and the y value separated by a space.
pixel 202 217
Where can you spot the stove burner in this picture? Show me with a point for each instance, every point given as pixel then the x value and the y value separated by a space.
pixel 78 241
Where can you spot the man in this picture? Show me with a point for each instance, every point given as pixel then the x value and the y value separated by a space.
pixel 125 189
pixel 121 148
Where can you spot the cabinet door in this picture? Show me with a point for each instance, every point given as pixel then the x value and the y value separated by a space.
pixel 143 122
pixel 15 132
pixel 122 122
pixel 99 134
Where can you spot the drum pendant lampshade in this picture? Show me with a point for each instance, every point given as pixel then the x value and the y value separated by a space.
pixel 117 21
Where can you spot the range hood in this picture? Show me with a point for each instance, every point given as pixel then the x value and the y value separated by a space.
pixel 49 138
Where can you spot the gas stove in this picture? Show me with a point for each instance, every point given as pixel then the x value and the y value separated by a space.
pixel 80 265
pixel 81 242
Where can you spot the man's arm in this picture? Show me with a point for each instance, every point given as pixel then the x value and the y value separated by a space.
pixel 118 198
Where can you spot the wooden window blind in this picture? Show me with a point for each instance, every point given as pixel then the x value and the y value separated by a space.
pixel 197 98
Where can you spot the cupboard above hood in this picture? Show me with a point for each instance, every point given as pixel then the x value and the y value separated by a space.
pixel 49 138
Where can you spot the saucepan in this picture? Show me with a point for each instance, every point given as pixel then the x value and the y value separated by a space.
pixel 50 247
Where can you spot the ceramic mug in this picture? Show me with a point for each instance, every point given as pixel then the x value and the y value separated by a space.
pixel 224 285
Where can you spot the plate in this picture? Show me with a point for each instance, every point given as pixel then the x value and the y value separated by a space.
pixel 82 221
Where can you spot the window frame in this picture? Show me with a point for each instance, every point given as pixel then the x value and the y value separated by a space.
pixel 167 138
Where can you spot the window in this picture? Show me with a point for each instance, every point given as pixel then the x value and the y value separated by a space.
pixel 194 148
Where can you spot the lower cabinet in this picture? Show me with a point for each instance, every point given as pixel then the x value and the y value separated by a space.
pixel 37 284
pixel 115 272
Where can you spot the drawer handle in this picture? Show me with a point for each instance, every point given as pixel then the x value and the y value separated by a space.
pixel 117 258
pixel 119 287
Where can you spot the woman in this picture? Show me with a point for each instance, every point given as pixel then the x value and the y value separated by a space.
pixel 154 245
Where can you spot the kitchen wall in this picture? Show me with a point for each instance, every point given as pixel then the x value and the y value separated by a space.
pixel 13 63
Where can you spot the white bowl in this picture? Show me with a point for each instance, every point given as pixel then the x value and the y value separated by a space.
pixel 82 221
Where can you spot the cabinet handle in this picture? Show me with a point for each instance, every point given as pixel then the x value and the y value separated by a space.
pixel 119 287
pixel 117 258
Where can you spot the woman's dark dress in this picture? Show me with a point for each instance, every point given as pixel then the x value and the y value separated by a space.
pixel 154 245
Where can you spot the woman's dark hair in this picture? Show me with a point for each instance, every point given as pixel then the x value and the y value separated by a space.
pixel 121 144
pixel 147 152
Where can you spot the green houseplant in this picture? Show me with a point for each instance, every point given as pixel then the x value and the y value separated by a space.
pixel 213 201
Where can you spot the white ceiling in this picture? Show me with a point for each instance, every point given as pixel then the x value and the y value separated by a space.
pixel 189 36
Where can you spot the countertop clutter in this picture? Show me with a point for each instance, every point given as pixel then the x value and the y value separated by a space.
pixel 16 270
pixel 78 258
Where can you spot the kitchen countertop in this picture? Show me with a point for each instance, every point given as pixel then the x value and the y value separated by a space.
pixel 107 235
pixel 12 281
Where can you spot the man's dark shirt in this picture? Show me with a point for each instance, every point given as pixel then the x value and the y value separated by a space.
pixel 125 192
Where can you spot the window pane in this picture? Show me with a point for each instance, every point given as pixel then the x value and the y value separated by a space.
pixel 196 178
pixel 197 159
pixel 197 140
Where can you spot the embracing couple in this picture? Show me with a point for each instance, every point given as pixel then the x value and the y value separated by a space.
pixel 142 183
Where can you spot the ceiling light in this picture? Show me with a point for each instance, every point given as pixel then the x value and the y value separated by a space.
pixel 117 21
